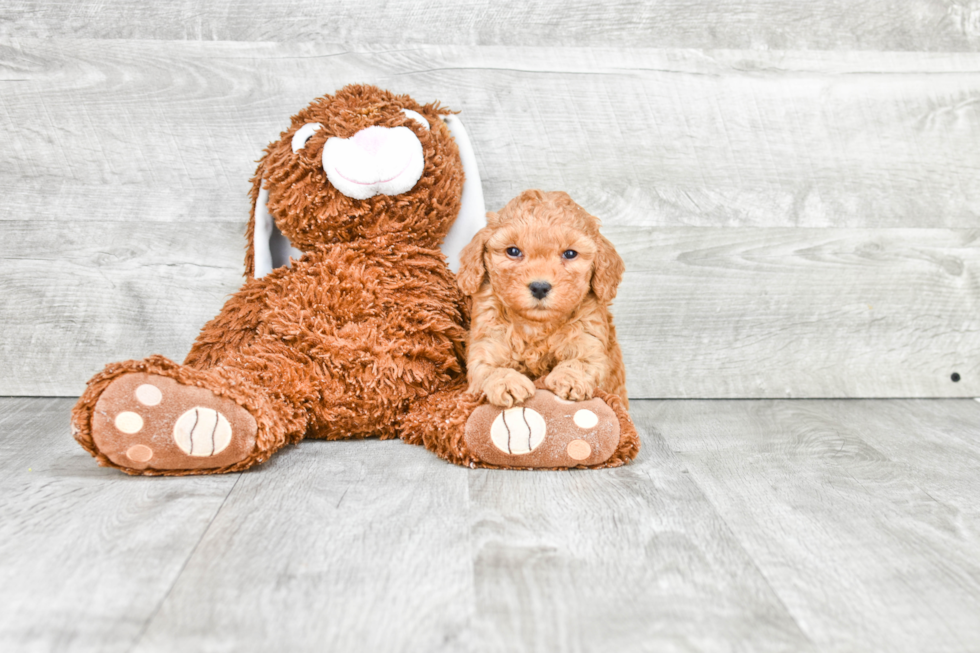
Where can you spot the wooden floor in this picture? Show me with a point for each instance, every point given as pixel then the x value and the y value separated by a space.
pixel 774 525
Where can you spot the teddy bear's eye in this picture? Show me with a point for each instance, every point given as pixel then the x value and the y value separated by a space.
pixel 304 134
pixel 417 117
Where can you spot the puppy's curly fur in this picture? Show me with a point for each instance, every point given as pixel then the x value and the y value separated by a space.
pixel 541 278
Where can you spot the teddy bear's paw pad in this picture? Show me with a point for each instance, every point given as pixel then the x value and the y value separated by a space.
pixel 147 421
pixel 544 431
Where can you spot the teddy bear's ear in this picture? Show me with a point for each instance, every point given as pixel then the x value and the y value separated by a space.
pixel 267 248
pixel 472 209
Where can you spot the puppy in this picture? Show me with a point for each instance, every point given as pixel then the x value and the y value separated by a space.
pixel 541 277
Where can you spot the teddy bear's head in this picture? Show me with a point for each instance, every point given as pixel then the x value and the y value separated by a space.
pixel 361 163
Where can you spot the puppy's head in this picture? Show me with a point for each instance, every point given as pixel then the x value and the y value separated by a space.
pixel 542 254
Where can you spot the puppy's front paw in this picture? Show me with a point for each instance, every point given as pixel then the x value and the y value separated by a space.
pixel 508 387
pixel 570 383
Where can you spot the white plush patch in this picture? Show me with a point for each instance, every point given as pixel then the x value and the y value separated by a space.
pixel 149 395
pixel 518 430
pixel 202 432
pixel 472 210
pixel 129 422
pixel 262 256
pixel 585 419
pixel 417 117
pixel 273 249
pixel 303 135
pixel 374 161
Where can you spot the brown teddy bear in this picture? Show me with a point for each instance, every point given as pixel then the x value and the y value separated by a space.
pixel 362 332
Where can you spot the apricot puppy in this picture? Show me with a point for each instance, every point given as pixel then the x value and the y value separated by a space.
pixel 541 278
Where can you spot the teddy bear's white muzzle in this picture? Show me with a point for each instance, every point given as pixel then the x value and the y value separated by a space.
pixel 374 161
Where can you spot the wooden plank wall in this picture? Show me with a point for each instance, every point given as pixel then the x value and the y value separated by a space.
pixel 794 186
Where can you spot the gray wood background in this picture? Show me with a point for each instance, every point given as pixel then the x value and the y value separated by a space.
pixel 794 186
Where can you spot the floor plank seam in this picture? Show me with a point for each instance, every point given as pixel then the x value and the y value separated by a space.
pixel 718 513
pixel 190 556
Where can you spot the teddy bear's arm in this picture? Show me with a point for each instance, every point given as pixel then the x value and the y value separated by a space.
pixel 232 329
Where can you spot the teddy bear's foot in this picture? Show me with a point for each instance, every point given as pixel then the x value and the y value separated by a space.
pixel 151 422
pixel 544 432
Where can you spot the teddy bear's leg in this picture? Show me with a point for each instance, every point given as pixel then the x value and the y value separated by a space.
pixel 238 398
pixel 545 432
pixel 155 417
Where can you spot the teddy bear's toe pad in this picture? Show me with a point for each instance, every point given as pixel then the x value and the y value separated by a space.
pixel 147 421
pixel 544 431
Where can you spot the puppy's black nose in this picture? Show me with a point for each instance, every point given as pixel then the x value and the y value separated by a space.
pixel 539 288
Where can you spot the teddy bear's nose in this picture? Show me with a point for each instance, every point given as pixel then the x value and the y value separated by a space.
pixel 374 161
pixel 539 289
pixel 372 139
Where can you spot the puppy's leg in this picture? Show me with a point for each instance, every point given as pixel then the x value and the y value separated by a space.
pixel 488 373
pixel 573 380
pixel 505 387
pixel 582 368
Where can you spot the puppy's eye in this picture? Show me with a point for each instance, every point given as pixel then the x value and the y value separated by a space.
pixel 304 134
pixel 513 252
pixel 569 254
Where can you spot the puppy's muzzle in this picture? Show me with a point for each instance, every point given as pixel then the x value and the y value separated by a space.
pixel 539 289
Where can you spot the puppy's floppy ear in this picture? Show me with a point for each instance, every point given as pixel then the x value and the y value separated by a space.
pixel 607 271
pixel 471 268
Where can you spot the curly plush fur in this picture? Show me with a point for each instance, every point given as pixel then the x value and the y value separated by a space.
pixel 367 322
pixel 364 335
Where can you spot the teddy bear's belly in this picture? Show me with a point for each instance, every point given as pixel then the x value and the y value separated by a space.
pixel 379 330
